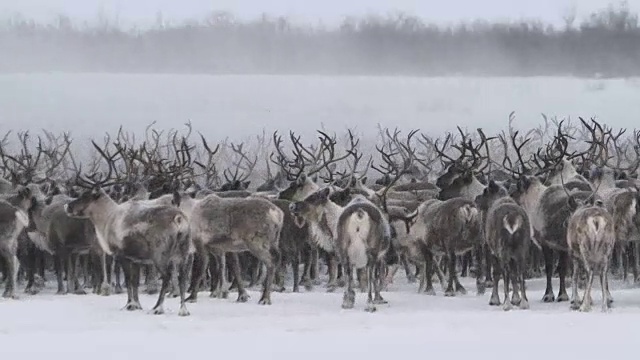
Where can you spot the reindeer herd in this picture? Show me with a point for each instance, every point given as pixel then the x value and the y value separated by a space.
pixel 560 198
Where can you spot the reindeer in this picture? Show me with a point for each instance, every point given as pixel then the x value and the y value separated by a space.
pixel 508 236
pixel 363 239
pixel 14 219
pixel 138 233
pixel 590 240
pixel 221 225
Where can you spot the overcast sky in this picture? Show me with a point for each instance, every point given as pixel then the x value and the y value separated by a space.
pixel 144 12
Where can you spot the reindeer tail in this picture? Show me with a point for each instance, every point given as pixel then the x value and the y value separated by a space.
pixel 357 228
pixel 468 213
pixel 512 223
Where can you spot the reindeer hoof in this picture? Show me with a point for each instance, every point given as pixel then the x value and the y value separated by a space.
pixel 331 288
pixel 157 311
pixel 243 298
pixel 80 292
pixel 585 308
pixel 507 306
pixel 105 290
pixel 548 298
pixel 430 292
pixel 118 290
pixel 308 286
pixel 515 301
pixel 183 311
pixel 563 297
pixel 495 301
pixel 575 305
pixel 449 293
pixel 461 291
pixel 347 305
pixel 411 279
pixel 280 289
pixel 61 292
pixel 524 305
pixel 10 295
pixel 370 308
pixel 132 306
pixel 264 301
pixel 31 291
pixel 296 289
pixel 380 301
pixel 151 290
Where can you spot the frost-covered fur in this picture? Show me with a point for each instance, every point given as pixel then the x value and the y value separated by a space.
pixel 448 228
pixel 590 239
pixel 14 219
pixel 363 239
pixel 220 225
pixel 322 215
pixel 138 232
pixel 508 236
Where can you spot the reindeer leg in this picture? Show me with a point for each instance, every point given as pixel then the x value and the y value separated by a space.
pixel 586 298
pixel 429 269
pixel 548 266
pixel 31 270
pixel 524 302
pixel 349 297
pixel 295 265
pixel 423 277
pixel 563 267
pixel 271 258
pixel 151 280
pixel 497 268
pixel 183 274
pixel 243 296
pixel 105 286
pixel 452 274
pixel 506 272
pixel 136 270
pixel 200 262
pixel 59 264
pixel 128 274
pixel 117 269
pixel 438 270
pixel 73 265
pixel 165 275
pixel 604 288
pixel 333 273
pixel 575 301
pixel 370 280
pixel 411 278
pixel 377 283
pixel 12 267
pixel 514 273
pixel 480 283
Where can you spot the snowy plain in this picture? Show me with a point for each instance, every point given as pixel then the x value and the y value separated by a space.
pixel 311 325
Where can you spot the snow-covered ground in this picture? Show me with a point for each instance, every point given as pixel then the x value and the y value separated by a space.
pixel 312 325
pixel 241 106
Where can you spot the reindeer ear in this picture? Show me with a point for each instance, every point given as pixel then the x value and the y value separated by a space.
pixel 364 180
pixel 324 193
pixel 246 184
pixel 48 200
pixel 176 199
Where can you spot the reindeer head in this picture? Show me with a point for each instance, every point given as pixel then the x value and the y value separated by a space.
pixel 84 205
pixel 491 193
pixel 299 189
pixel 311 208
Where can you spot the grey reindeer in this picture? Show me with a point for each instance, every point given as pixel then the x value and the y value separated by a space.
pixel 14 218
pixel 363 239
pixel 219 225
pixel 508 236
pixel 447 228
pixel 137 233
pixel 590 240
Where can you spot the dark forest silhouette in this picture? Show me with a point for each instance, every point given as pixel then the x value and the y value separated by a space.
pixel 607 43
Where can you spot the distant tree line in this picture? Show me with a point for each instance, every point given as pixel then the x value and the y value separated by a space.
pixel 606 43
